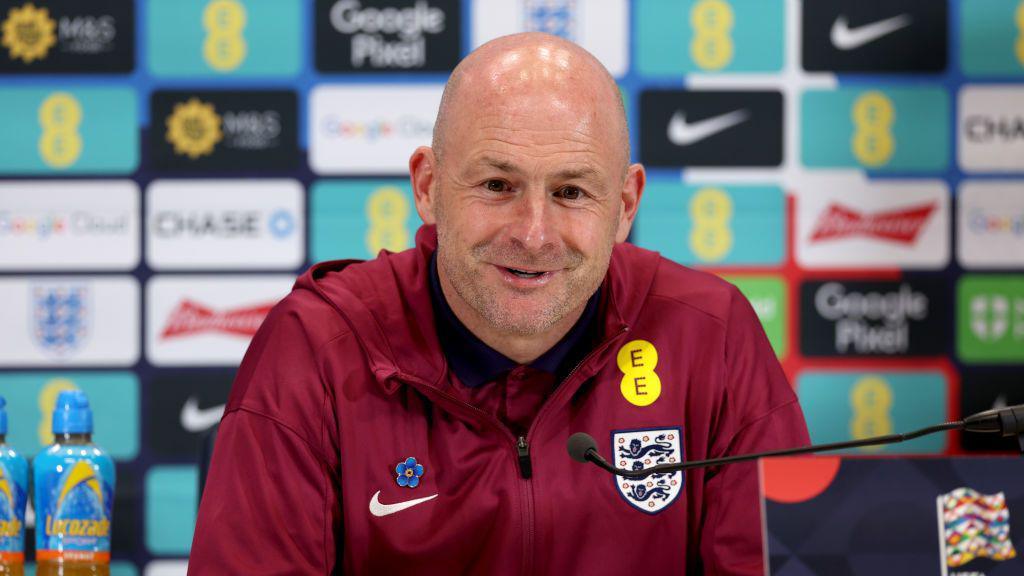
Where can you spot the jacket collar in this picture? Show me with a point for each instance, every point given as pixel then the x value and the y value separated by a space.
pixel 387 303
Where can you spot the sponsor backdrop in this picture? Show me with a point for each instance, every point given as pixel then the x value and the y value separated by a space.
pixel 167 167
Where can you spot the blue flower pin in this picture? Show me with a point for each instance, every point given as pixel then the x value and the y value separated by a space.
pixel 409 473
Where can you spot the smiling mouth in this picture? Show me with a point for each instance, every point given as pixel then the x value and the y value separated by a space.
pixel 524 273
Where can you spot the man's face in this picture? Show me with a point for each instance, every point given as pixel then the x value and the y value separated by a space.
pixel 528 203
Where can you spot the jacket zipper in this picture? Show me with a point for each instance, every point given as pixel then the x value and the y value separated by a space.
pixel 521 443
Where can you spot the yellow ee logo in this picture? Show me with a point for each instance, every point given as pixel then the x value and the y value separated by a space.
pixel 47 401
pixel 60 144
pixel 193 128
pixel 873 143
pixel 1019 20
pixel 640 384
pixel 224 48
pixel 28 33
pixel 711 236
pixel 387 211
pixel 871 402
pixel 712 46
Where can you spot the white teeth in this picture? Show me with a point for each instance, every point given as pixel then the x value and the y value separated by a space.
pixel 523 273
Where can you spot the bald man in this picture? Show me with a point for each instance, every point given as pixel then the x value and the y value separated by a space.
pixel 409 414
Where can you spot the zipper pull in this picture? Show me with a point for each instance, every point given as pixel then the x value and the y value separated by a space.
pixel 525 468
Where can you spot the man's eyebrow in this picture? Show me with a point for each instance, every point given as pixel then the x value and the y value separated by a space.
pixel 503 165
pixel 581 173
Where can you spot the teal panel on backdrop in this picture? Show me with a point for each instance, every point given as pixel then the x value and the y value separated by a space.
pixel 712 224
pixel 171 503
pixel 842 406
pixel 676 37
pixel 74 130
pixel 117 568
pixel 224 37
pixel 113 396
pixel 992 37
pixel 876 128
pixel 358 218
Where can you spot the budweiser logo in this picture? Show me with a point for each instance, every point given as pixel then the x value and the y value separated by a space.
pixel 191 318
pixel 901 226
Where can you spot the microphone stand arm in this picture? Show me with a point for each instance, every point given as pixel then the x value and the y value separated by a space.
pixel 596 458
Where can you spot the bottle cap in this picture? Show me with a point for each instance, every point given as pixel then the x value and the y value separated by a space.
pixel 71 414
pixel 3 416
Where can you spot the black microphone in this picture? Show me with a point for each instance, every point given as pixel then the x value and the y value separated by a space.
pixel 1007 422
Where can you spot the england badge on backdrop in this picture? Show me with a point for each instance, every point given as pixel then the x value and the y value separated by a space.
pixel 641 449
pixel 60 317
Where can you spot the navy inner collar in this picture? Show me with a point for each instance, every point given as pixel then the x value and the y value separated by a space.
pixel 475 363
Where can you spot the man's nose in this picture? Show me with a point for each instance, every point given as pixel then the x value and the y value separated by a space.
pixel 533 220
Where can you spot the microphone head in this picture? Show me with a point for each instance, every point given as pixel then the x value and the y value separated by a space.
pixel 579 444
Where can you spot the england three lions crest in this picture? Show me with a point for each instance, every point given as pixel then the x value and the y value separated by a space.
pixel 640 449
pixel 60 317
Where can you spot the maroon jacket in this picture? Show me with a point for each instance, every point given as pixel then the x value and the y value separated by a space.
pixel 345 380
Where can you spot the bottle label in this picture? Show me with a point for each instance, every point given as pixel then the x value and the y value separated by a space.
pixel 74 513
pixel 13 496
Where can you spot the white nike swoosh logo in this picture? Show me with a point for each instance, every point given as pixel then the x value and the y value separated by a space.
pixel 195 420
pixel 846 38
pixel 682 134
pixel 378 509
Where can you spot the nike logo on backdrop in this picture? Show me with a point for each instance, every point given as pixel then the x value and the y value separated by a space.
pixel 194 419
pixel 378 509
pixel 846 38
pixel 682 134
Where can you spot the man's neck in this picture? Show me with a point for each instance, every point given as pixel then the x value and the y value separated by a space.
pixel 521 349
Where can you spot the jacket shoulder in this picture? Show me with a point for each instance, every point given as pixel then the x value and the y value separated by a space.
pixel 699 291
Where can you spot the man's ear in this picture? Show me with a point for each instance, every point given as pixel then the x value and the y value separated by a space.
pixel 422 173
pixel 632 190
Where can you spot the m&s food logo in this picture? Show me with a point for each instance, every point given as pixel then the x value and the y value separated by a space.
pixel 28 33
pixel 194 128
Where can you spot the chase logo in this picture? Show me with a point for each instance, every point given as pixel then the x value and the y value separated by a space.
pixel 990 319
pixel 693 36
pixel 841 406
pixel 890 36
pixel 67 36
pixel 226 130
pixel 992 39
pixel 883 129
pixel 713 225
pixel 212 38
pixel 114 397
pixel 68 131
pixel 359 218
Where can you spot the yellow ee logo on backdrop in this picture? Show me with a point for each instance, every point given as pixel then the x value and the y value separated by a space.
pixel 387 211
pixel 884 128
pixel 213 38
pixel 75 130
pixel 224 48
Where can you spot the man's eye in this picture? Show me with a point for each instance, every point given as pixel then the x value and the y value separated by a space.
pixel 570 193
pixel 496 186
